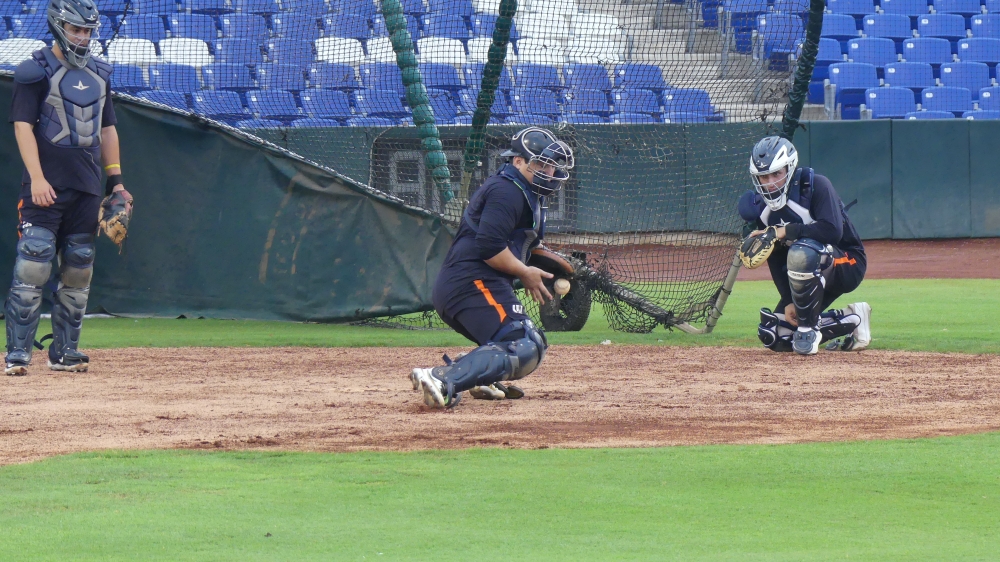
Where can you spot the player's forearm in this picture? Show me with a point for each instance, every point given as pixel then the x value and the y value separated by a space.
pixel 506 262
pixel 110 149
pixel 28 147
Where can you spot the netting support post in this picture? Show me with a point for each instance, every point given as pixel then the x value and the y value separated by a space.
pixel 416 96
pixel 803 70
pixel 720 302
pixel 496 56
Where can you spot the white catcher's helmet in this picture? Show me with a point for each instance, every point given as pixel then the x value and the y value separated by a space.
pixel 770 155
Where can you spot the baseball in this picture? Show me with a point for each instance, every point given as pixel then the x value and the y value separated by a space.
pixel 562 286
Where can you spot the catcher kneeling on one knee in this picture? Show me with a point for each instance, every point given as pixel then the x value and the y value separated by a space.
pixel 502 226
pixel 801 228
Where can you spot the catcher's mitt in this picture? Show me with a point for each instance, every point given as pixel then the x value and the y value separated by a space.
pixel 756 249
pixel 116 212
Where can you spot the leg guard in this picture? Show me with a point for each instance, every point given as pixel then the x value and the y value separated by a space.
pixel 507 359
pixel 32 267
pixel 809 263
pixel 70 301
pixel 774 332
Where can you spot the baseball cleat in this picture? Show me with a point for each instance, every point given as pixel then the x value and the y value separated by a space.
pixel 17 363
pixel 415 378
pixel 436 392
pixel 805 342
pixel 490 392
pixel 512 392
pixel 72 361
pixel 862 335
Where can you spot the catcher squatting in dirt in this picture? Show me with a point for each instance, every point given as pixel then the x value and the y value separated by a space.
pixel 64 123
pixel 497 242
pixel 812 249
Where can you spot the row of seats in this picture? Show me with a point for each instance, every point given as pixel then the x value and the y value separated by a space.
pixel 312 7
pixel 947 26
pixel 880 52
pixel 890 102
pixel 860 8
pixel 912 75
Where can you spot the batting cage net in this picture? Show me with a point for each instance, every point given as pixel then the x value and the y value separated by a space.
pixel 660 100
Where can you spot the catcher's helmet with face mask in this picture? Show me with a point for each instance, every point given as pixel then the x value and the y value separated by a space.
pixel 81 13
pixel 536 145
pixel 770 155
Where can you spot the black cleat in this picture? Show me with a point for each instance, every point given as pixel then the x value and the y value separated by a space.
pixel 72 361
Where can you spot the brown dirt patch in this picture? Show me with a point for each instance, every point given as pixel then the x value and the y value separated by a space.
pixel 360 399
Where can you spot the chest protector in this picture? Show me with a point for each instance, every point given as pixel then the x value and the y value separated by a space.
pixel 72 112
pixel 800 192
pixel 521 240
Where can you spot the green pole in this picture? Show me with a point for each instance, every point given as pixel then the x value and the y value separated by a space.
pixel 803 70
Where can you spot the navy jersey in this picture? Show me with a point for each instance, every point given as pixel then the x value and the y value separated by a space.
pixel 503 213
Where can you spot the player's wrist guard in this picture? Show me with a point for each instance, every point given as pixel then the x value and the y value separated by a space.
pixel 113 180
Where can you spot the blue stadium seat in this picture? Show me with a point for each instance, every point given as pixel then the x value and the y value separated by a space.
pixel 587 102
pixel 889 103
pixel 535 101
pixel 372 122
pixel 290 25
pixel 947 98
pixel 174 77
pixel 934 51
pixel 310 7
pixel 912 75
pixel 11 8
pixel 945 26
pixel 128 78
pixel 257 6
pixel 632 118
pixel 415 7
pixel 333 76
pixel 877 51
pixel 331 104
pixel 891 26
pixel 219 105
pixel 992 6
pixel 206 6
pixel 379 29
pixel 345 25
pixel 444 106
pixel 635 101
pixel 985 25
pixel 314 123
pixel 829 53
pixel 930 115
pixel 30 26
pixel 458 7
pixel 441 76
pixel 980 49
pixel 904 7
pixel 840 27
pixel 973 76
pixel 483 24
pixel 473 72
pixel 640 76
pixel 365 8
pixel 290 51
pixel 467 120
pixel 382 76
pixel 780 35
pixel 743 13
pixel 966 8
pixel 589 77
pixel 138 26
pixel 582 119
pixel 238 51
pixel 687 100
pixel 273 104
pixel 226 76
pixel 193 26
pixel 530 75
pixel 272 76
pixel 981 115
pixel 529 119
pixel 989 98
pixel 155 7
pixel 445 25
pixel 684 117
pixel 467 102
pixel 710 12
pixel 855 8
pixel 852 79
pixel 176 100
pixel 245 26
pixel 798 7
pixel 379 103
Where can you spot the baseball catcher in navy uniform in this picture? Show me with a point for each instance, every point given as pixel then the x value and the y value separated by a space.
pixel 474 293
pixel 64 124
pixel 815 255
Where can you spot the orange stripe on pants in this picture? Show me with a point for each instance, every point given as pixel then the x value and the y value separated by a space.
pixel 20 205
pixel 489 298
pixel 846 259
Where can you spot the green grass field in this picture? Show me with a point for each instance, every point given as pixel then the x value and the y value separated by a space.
pixel 931 499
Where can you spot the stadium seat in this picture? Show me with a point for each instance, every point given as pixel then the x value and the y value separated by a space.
pixel 309 7
pixel 193 26
pixel 128 51
pixel 889 103
pixel 442 104
pixel 473 72
pixel 441 76
pixel 462 8
pixel 529 119
pixel 128 78
pixel 877 51
pixel 890 26
pixel 841 27
pixel 143 27
pixel 904 7
pixel 441 50
pixel 335 76
pixel 982 115
pixel 467 120
pixel 314 123
pixel 291 51
pixel 587 77
pixel 829 53
pixel 583 119
pixel 339 50
pixel 934 51
pixel 554 7
pixel 30 26
pixel 798 7
pixel 592 24
pixel 635 101
pixel 973 76
pixel 980 49
pixel 380 30
pixel 486 6
pixel 262 7
pixel 11 8
pixel 851 7
pixel 372 122
pixel 687 100
pixel 930 115
pixel 912 75
pixel 539 51
pixel 295 26
pixel 177 100
pixel 273 104
pixel 530 75
pixel 330 104
pixel 382 76
pixel 640 76
pixel 945 26
pixel 742 16
pixel 445 25
pixel 227 76
pixel 851 80
pixel 534 101
pixel 543 27
pixel 780 35
pixel 597 50
pixel 174 77
pixel 992 6
pixel 947 98
pixel 966 8
pixel 155 7
pixel 379 103
pixel 467 103
pixel 219 105
pixel 684 117
pixel 349 26
pixel 587 102
pixel 206 6
pixel 479 49
pixel 365 8
pixel 483 25
pixel 192 52
pixel 985 25
pixel 239 51
pixel 245 26
pixel 379 49
pixel 989 98
pixel 632 118
pixel 272 76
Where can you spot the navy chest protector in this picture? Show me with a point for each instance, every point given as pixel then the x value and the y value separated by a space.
pixel 72 112
pixel 521 240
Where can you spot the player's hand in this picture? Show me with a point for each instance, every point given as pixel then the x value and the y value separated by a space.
pixel 779 233
pixel 42 193
pixel 534 282
pixel 790 315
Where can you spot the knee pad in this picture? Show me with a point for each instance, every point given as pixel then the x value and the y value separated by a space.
pixel 837 323
pixel 510 359
pixel 807 262
pixel 78 260
pixel 523 329
pixel 773 332
pixel 35 251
